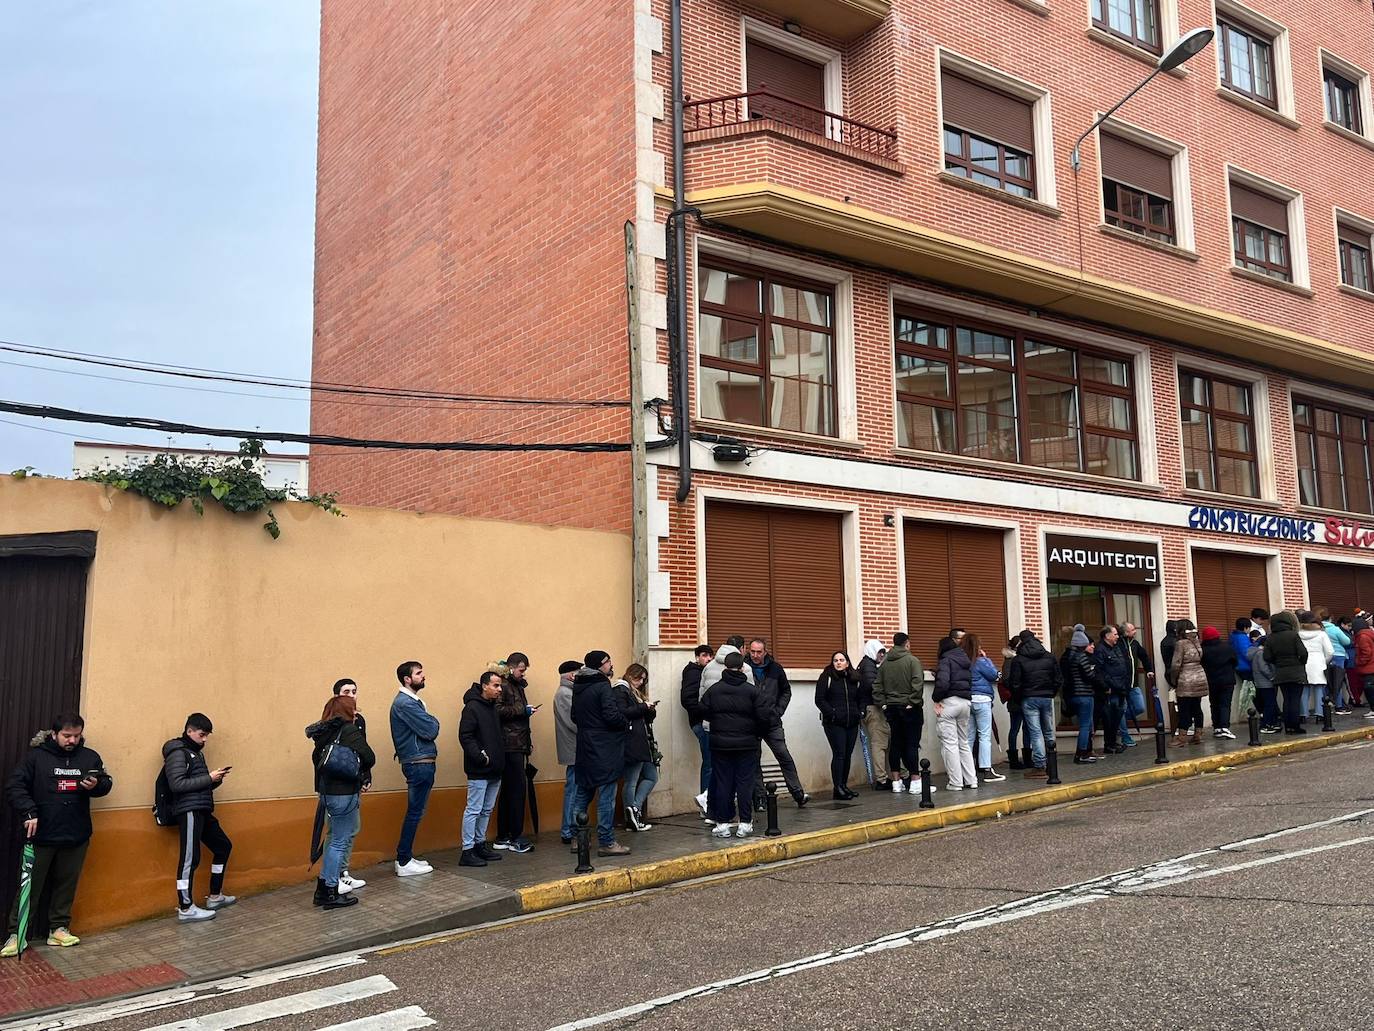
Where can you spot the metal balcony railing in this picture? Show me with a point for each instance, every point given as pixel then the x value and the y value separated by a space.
pixel 759 104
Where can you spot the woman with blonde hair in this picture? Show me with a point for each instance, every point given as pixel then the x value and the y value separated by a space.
pixel 641 751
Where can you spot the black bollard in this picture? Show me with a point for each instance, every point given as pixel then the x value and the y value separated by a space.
pixel 1328 714
pixel 1026 760
pixel 772 805
pixel 1052 764
pixel 584 845
pixel 926 801
pixel 1161 744
pixel 1254 729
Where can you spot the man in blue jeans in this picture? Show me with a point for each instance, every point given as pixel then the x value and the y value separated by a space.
pixel 602 728
pixel 413 733
pixel 1036 679
pixel 691 701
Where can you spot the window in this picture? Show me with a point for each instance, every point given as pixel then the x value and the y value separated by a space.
pixel 785 87
pixel 1218 435
pixel 1333 457
pixel 1342 101
pixel 1246 58
pixel 989 136
pixel 1354 244
pixel 1259 229
pixel 1137 188
pixel 983 392
pixel 1136 21
pixel 766 346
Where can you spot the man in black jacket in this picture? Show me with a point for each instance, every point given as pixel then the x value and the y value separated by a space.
pixel 481 735
pixel 192 784
pixel 771 680
pixel 1036 678
pixel 51 790
pixel 601 731
pixel 739 713
pixel 691 701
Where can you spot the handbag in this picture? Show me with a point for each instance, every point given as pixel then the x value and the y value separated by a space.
pixel 340 762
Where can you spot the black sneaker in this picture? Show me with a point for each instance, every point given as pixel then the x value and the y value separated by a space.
pixel 519 846
pixel 471 858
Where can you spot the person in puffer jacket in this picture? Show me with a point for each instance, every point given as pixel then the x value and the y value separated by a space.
pixel 841 699
pixel 1364 661
pixel 1080 688
pixel 1319 651
pixel 1336 688
pixel 192 784
pixel 1036 677
pixel 1285 652
pixel 1219 663
pixel 1190 685
pixel 953 698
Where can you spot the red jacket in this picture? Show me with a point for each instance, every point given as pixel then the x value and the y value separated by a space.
pixel 1364 651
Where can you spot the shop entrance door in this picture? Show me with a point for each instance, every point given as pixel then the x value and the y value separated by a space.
pixel 1096 606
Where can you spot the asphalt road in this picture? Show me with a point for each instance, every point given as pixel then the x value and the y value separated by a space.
pixel 1236 900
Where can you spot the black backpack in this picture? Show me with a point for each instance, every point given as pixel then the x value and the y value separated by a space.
pixel 163 813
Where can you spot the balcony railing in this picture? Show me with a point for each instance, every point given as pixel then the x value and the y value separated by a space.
pixel 760 104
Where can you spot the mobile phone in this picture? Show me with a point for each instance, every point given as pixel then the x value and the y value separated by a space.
pixel 227 769
pixel 536 708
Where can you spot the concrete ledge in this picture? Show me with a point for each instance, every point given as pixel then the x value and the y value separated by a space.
pixel 761 851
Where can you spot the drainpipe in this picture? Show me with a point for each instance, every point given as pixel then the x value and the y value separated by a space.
pixel 677 325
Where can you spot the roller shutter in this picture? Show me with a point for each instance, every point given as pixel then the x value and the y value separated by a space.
pixel 1227 586
pixel 955 576
pixel 1340 587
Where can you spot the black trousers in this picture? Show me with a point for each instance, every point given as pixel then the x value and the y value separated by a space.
pixel 1292 704
pixel 1221 706
pixel 1111 722
pixel 510 805
pixel 906 724
pixel 776 741
pixel 59 867
pixel 1190 714
pixel 732 786
pixel 197 829
pixel 1268 705
pixel 842 741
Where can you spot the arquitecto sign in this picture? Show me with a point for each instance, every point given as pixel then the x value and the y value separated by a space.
pixel 1094 560
pixel 1344 533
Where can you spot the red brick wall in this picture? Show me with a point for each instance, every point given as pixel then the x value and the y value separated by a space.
pixel 476 165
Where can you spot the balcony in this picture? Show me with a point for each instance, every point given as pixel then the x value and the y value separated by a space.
pixel 839 19
pixel 763 111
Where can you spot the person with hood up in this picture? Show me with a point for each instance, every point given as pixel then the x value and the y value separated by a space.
pixel 1287 655
pixel 601 731
pixel 1266 694
pixel 875 722
pixel 51 791
pixel 1219 663
pixel 483 740
pixel 641 766
pixel 1364 661
pixel 1116 674
pixel 1037 678
pixel 1080 687
pixel 515 711
pixel 1319 653
pixel 738 714
pixel 900 691
pixel 1190 684
pixel 984 677
pixel 342 795
pixel 565 744
pixel 1015 717
pixel 841 700
pixel 1167 644
pixel 1336 688
pixel 953 698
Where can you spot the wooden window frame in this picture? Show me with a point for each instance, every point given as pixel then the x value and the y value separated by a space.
pixel 1134 38
pixel 1253 37
pixel 951 359
pixel 964 160
pixel 1111 206
pixel 1263 267
pixel 1211 412
pixel 1334 81
pixel 1312 432
pixel 1347 255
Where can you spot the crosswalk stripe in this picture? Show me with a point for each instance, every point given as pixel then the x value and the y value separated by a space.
pixel 396 1020
pixel 304 1002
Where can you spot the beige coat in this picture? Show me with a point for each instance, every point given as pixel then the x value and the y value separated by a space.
pixel 1190 679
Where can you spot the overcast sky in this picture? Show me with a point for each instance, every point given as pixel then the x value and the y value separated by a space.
pixel 156 202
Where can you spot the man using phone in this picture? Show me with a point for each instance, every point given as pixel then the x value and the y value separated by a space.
pixel 51 790
pixel 515 711
pixel 193 784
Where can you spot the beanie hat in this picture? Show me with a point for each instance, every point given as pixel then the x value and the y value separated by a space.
pixel 594 659
pixel 571 666
pixel 734 661
pixel 1211 633
pixel 1080 637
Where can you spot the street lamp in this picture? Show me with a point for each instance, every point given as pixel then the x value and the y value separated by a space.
pixel 1188 46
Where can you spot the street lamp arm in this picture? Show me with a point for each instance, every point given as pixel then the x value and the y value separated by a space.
pixel 1074 156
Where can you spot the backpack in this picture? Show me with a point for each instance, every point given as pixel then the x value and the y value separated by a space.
pixel 163 813
pixel 340 761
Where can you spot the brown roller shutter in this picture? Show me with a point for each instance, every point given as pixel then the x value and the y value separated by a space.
pixel 1134 165
pixel 738 594
pixel 980 586
pixel 1258 208
pixel 987 112
pixel 787 78
pixel 955 576
pixel 1209 590
pixel 1350 234
pixel 1333 586
pixel 1227 586
pixel 929 601
pixel 1364 590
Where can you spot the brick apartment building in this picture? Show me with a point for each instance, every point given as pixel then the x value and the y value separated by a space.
pixel 978 388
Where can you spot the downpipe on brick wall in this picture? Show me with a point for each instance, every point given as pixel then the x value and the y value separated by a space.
pixel 677 322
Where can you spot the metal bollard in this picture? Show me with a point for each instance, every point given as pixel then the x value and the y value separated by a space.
pixel 772 804
pixel 1052 764
pixel 1254 729
pixel 584 844
pixel 1328 714
pixel 926 801
pixel 1161 744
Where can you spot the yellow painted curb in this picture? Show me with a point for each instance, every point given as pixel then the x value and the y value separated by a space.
pixel 609 883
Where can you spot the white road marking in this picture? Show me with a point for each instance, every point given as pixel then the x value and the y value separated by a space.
pixel 1165 873
pixel 289 1005
pixel 103 1012
pixel 396 1020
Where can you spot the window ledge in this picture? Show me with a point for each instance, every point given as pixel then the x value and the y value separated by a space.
pixel 1259 277
pixel 1131 50
pixel 1341 130
pixel 1040 7
pixel 1029 203
pixel 1144 241
pixel 1232 499
pixel 1023 469
pixel 1257 107
pixel 739 429
pixel 1355 291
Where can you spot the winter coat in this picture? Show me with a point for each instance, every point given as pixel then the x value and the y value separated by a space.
pixel 738 713
pixel 564 730
pixel 1364 651
pixel 1080 673
pixel 47 785
pixel 188 776
pixel 840 697
pixel 640 715
pixel 350 735
pixel 1260 671
pixel 1318 647
pixel 772 680
pixel 1115 667
pixel 1140 658
pixel 868 668
pixel 984 678
pixel 1219 663
pixel 1340 641
pixel 954 676
pixel 514 709
pixel 1284 650
pixel 1240 647
pixel 1034 672
pixel 1167 644
pixel 691 692
pixel 1189 678
pixel 413 730
pixel 601 729
pixel 482 736
pixel 901 680
pixel 713 670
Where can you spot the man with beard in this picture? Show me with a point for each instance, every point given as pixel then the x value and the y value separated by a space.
pixel 413 733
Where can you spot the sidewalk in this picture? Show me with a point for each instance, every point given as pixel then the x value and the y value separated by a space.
pixel 281 926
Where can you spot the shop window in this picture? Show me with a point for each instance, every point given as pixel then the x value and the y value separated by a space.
pixel 1333 457
pixel 1218 435
pixel 1137 188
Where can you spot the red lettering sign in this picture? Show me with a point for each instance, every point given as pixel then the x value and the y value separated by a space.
pixel 1348 534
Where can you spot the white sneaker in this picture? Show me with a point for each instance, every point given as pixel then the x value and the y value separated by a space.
pixel 414 868
pixel 744 830
pixel 220 901
pixel 194 912
pixel 1223 732
pixel 898 787
pixel 722 830
pixel 350 882
pixel 701 804
pixel 952 787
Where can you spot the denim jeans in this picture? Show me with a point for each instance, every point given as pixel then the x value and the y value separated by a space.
pixel 1083 710
pixel 1016 719
pixel 1039 716
pixel 1313 699
pixel 982 725
pixel 568 829
pixel 640 779
pixel 343 826
pixel 704 742
pixel 1135 705
pixel 419 782
pixel 477 812
pixel 605 808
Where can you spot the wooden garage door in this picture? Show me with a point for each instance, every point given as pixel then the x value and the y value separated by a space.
pixel 776 573
pixel 955 576
pixel 1226 586
pixel 1341 588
